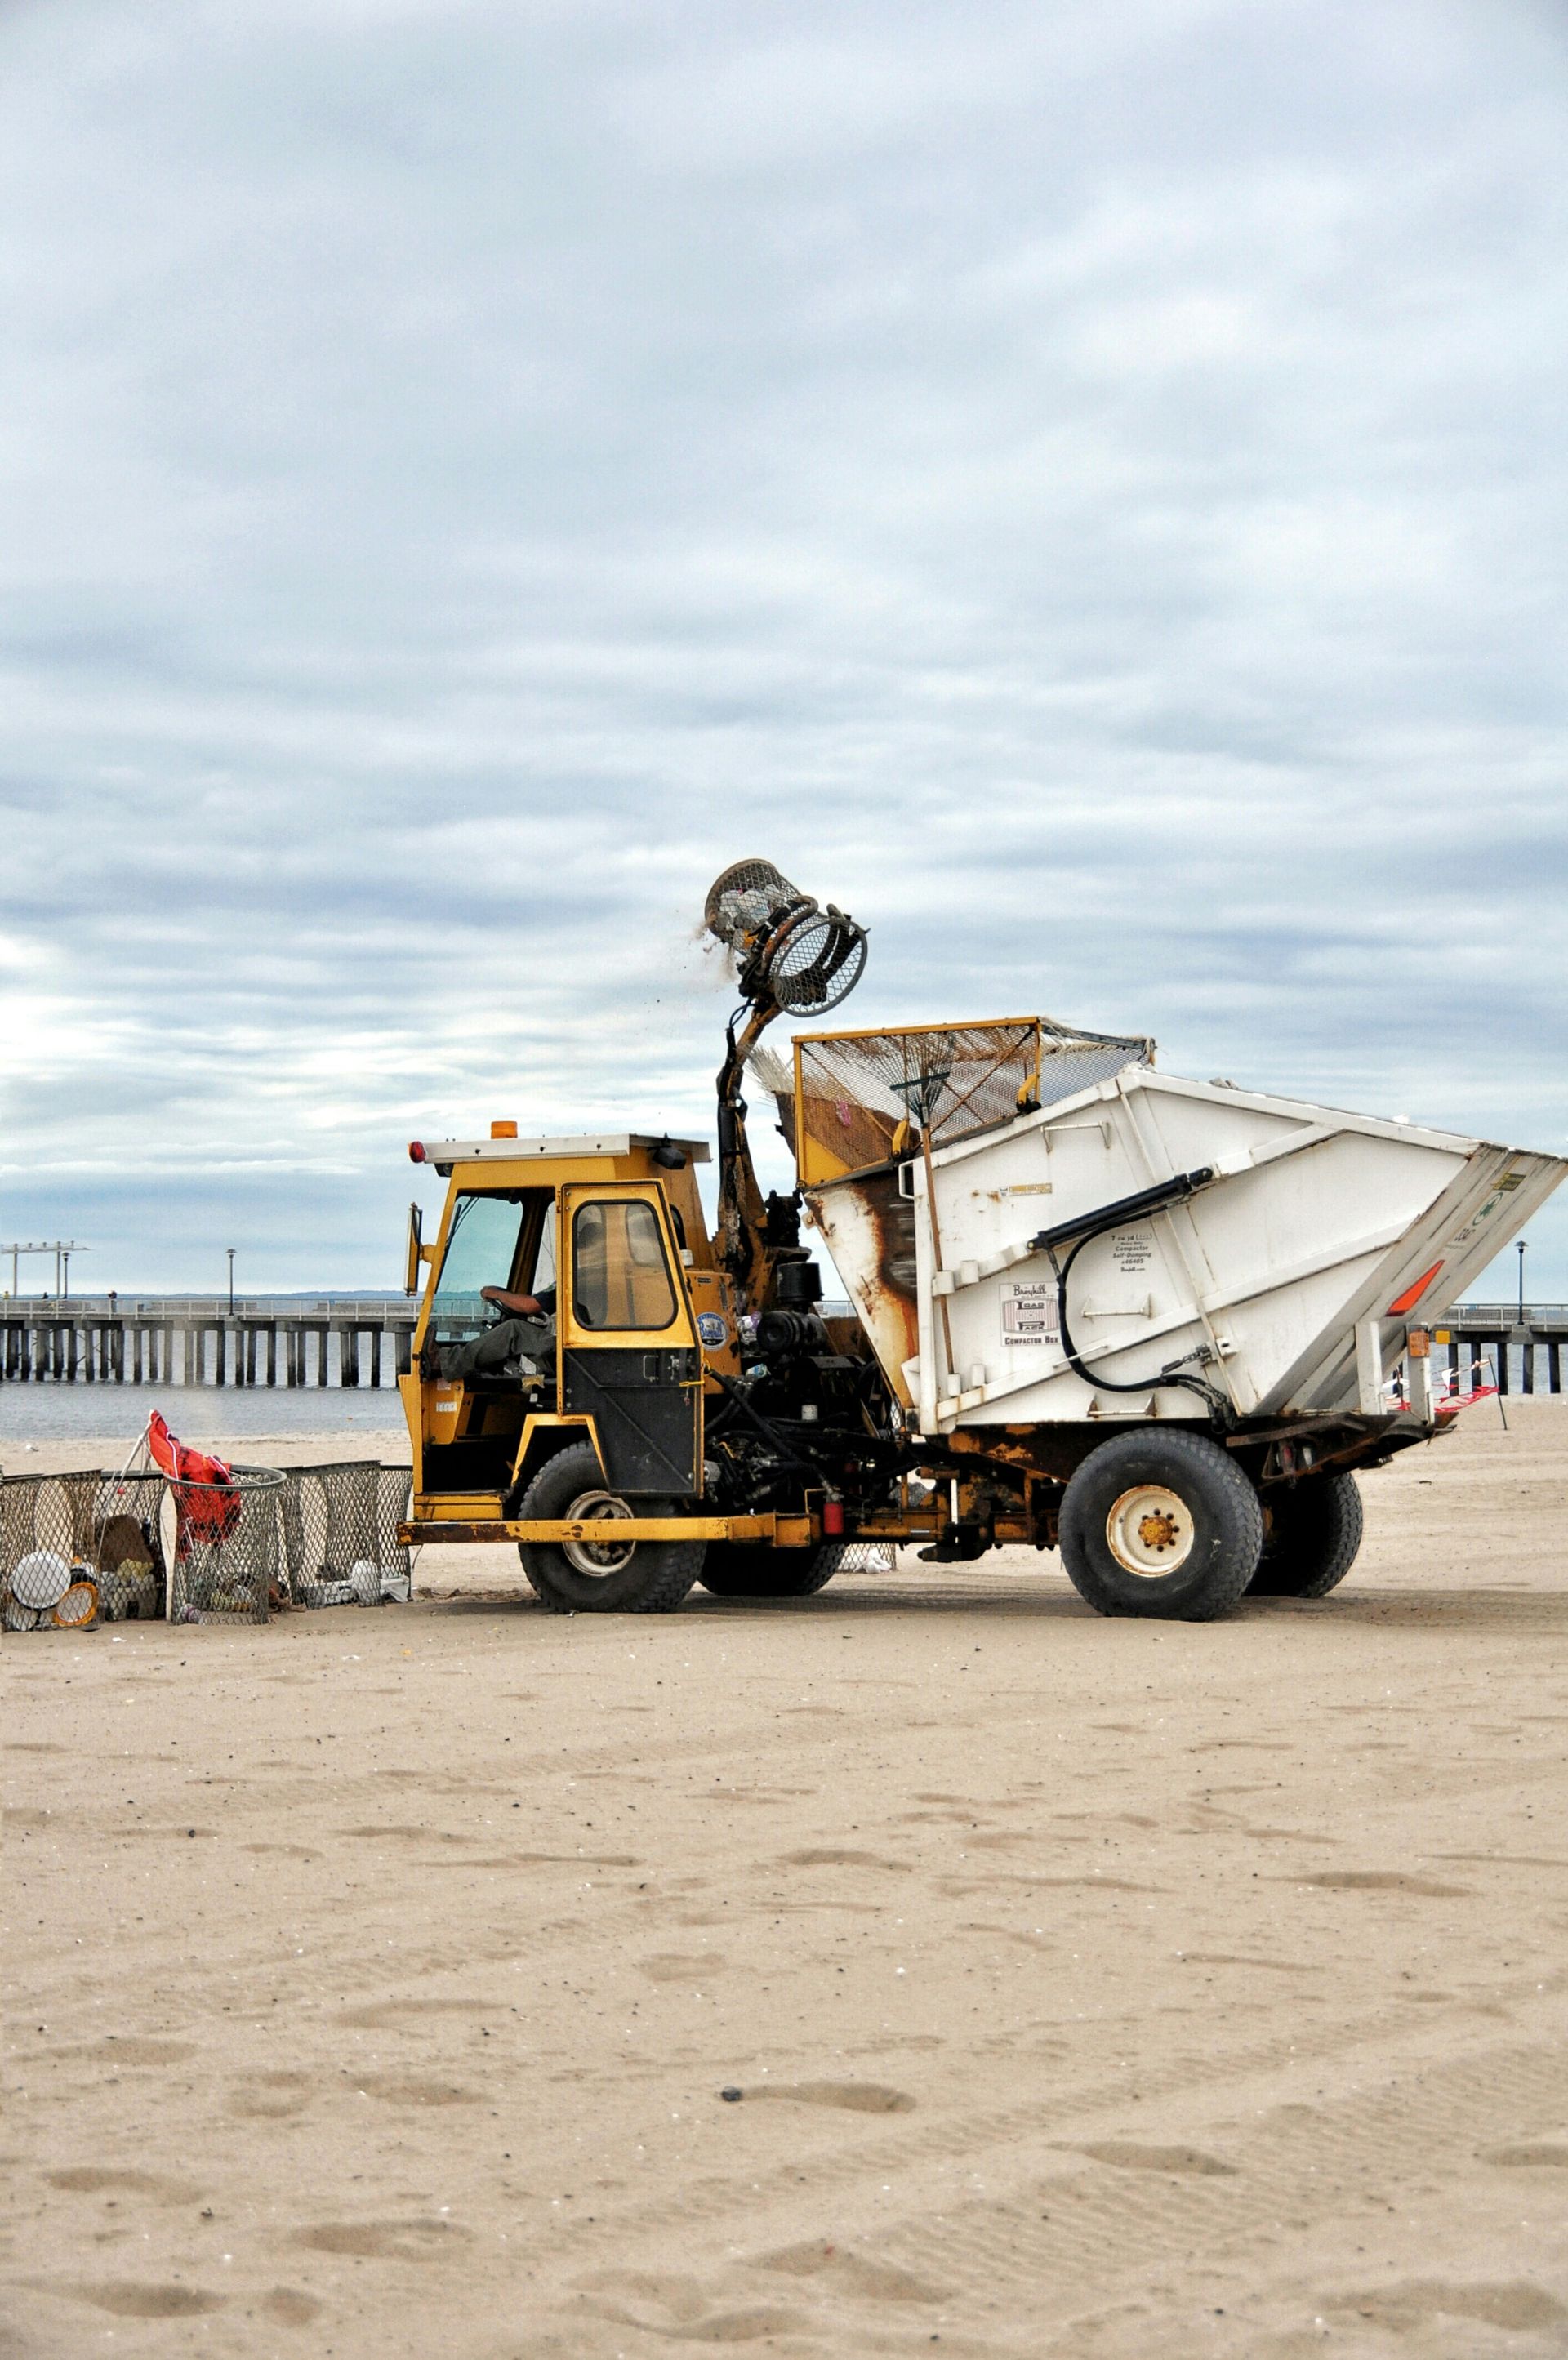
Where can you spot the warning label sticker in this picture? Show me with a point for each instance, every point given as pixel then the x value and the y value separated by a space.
pixel 1029 1312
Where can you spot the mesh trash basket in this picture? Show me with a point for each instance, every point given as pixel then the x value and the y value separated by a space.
pixel 36 1540
pixel 340 1527
pixel 226 1554
pixel 92 1526
pixel 394 1505
pixel 868 1557
pixel 116 1528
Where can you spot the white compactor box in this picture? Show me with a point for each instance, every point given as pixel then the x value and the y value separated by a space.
pixel 1043 1235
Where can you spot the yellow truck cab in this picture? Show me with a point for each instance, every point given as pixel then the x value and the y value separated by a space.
pixel 608 1428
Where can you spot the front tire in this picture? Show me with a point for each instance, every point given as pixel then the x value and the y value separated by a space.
pixel 608 1577
pixel 1314 1532
pixel 753 1569
pixel 1161 1522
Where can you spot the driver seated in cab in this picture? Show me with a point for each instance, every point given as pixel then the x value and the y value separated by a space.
pixel 521 1344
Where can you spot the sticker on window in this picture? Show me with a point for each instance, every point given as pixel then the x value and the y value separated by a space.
pixel 1029 1312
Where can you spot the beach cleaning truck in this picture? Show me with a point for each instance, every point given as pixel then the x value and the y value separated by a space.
pixel 1155 1323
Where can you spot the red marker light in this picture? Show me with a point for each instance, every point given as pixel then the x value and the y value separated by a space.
pixel 416 1150
pixel 832 1515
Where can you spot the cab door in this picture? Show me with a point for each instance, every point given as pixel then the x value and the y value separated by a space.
pixel 629 1349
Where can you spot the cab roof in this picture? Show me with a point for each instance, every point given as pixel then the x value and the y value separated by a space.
pixel 442 1154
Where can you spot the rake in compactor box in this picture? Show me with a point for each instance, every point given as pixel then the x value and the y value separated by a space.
pixel 1149 1321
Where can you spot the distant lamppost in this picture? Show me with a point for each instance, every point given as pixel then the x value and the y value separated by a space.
pixel 1521 1281
pixel 231 1282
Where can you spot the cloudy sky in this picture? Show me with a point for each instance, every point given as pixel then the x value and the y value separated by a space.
pixel 1081 485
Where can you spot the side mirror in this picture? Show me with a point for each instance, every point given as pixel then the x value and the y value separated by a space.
pixel 416 1252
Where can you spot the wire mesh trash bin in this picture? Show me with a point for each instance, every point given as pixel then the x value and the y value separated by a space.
pixel 117 1532
pixel 38 1555
pixel 868 1557
pixel 394 1506
pixel 340 1533
pixel 227 1547
pixel 86 1528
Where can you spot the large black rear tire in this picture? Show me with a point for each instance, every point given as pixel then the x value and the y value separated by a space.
pixel 1160 1521
pixel 635 1577
pixel 752 1569
pixel 1314 1532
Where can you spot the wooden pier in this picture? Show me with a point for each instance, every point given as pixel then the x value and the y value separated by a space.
pixel 340 1340
pixel 198 1340
pixel 1475 1335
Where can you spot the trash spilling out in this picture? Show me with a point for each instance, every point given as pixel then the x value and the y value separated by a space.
pixel 180 1534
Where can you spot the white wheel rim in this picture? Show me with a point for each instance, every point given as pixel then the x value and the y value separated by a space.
pixel 1149 1531
pixel 598 1556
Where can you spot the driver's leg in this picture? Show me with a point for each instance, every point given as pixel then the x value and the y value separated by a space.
pixel 507 1340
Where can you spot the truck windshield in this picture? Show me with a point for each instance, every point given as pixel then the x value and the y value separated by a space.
pixel 481 1248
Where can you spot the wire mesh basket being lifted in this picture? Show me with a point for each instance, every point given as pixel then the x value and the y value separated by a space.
pixel 857 1099
pixel 340 1533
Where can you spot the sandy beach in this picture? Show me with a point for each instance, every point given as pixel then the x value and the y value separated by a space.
pixel 1100 1990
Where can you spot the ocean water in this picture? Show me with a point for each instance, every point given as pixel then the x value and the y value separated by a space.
pixel 213 1413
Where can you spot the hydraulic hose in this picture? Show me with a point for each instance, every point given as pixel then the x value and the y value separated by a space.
pixel 1083 1232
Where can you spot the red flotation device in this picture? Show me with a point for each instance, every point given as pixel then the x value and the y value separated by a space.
pixel 204 1514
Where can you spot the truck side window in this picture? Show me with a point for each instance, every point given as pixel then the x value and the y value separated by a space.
pixel 620 1278
pixel 481 1248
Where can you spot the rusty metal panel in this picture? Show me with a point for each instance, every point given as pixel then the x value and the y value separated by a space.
pixel 868 1228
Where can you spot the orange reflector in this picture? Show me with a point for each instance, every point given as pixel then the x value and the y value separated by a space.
pixel 503 1130
pixel 1412 1294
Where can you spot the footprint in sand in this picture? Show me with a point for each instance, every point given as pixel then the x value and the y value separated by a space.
pixel 275 2097
pixel 833 1856
pixel 409 1835
pixel 676 1967
pixel 128 2298
pixel 678 2309
pixel 119 2049
pixel 855 2274
pixel 1378 1880
pixel 289 2307
pixel 856 2097
pixel 418 2240
pixel 1128 2154
pixel 1506 2303
pixel 407 2089
pixel 99 2179
pixel 388 2012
